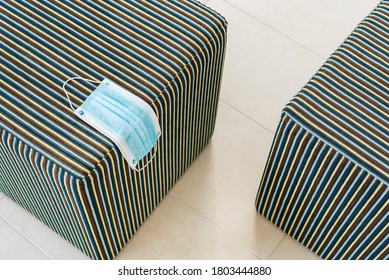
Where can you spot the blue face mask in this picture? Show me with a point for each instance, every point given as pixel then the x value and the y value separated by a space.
pixel 122 117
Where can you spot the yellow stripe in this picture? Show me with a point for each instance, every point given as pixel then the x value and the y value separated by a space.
pixel 283 187
pixel 127 56
pixel 48 147
pixel 352 77
pixel 360 212
pixel 111 211
pixel 85 238
pixel 116 186
pixel 145 191
pixel 188 27
pixel 322 194
pixel 53 54
pixel 367 73
pixel 53 69
pixel 351 120
pixel 188 112
pixel 382 14
pixel 80 191
pixel 326 213
pixel 367 144
pixel 86 46
pixel 34 191
pixel 336 222
pixel 312 155
pixel 69 50
pixel 366 25
pixel 63 222
pixel 31 189
pixel 380 234
pixel 96 38
pixel 94 186
pixel 181 22
pixel 128 198
pixel 44 206
pixel 164 134
pixel 27 117
pixel 173 113
pixel 283 155
pixel 344 89
pixel 15 172
pixel 37 190
pixel 193 6
pixel 70 223
pixel 139 201
pixel 51 206
pixel 54 117
pixel 211 91
pixel 31 69
pixel 372 42
pixel 366 49
pixel 129 31
pixel 150 30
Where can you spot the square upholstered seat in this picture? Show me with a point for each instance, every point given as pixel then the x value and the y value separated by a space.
pixel 67 174
pixel 326 182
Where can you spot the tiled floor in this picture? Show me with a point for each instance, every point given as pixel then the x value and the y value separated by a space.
pixel 274 47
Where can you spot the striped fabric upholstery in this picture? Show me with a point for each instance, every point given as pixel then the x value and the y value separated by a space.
pixel 71 177
pixel 326 182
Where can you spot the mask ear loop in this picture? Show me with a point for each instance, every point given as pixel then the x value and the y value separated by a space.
pixel 76 78
pixel 155 152
pixel 71 105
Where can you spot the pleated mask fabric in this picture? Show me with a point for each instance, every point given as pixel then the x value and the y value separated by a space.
pixel 122 117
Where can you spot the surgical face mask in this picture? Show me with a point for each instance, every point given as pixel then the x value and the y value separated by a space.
pixel 122 117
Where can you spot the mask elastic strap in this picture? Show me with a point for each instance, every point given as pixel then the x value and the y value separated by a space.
pixel 155 152
pixel 76 78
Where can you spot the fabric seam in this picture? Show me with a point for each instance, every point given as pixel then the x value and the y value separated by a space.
pixel 337 150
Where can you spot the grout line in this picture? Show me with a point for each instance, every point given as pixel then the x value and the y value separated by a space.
pixel 242 245
pixel 276 30
pixel 239 243
pixel 278 245
pixel 248 117
pixel 26 238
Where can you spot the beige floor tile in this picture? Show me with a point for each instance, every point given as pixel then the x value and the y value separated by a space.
pixel 290 249
pixel 319 25
pixel 176 231
pixel 263 69
pixel 223 181
pixel 14 246
pixel 39 234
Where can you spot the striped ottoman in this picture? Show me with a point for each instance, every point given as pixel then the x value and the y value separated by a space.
pixel 326 181
pixel 68 175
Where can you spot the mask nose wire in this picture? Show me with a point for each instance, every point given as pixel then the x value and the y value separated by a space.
pixel 76 78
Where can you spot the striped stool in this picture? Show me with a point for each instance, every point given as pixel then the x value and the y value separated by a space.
pixel 67 174
pixel 326 181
